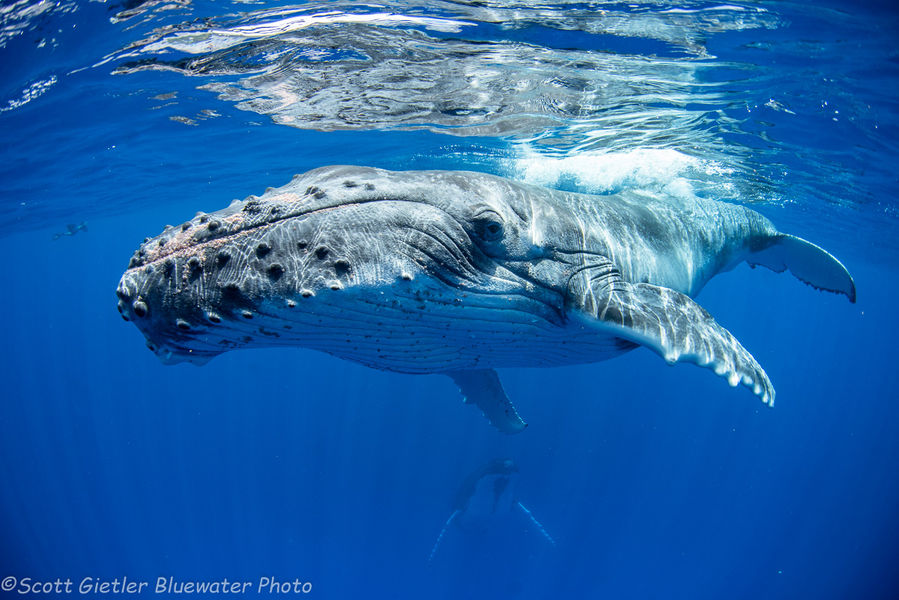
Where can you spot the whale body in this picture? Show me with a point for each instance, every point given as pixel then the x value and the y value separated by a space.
pixel 488 494
pixel 457 273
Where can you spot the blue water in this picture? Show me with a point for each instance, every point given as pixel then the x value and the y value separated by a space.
pixel 654 481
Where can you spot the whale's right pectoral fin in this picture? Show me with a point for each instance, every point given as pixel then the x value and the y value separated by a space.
pixel 678 329
pixel 483 388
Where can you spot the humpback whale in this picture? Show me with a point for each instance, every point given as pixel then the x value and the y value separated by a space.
pixel 71 229
pixel 457 273
pixel 486 494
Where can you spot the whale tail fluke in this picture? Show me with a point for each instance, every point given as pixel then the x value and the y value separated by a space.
pixel 810 264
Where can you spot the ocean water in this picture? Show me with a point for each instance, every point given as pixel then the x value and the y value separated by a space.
pixel 289 465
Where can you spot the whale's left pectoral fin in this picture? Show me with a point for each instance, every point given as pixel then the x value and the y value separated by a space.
pixel 533 520
pixel 483 388
pixel 678 329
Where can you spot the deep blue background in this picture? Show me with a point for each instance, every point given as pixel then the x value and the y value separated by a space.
pixel 656 482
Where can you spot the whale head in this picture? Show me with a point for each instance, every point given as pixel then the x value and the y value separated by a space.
pixel 402 271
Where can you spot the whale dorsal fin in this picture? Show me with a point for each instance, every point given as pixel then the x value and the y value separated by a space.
pixel 675 327
pixel 482 388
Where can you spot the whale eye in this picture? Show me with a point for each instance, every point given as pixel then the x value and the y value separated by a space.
pixel 489 226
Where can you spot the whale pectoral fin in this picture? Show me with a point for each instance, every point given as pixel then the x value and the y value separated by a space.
pixel 678 329
pixel 440 537
pixel 482 388
pixel 533 520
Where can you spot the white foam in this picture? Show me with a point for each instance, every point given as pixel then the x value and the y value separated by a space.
pixel 659 169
